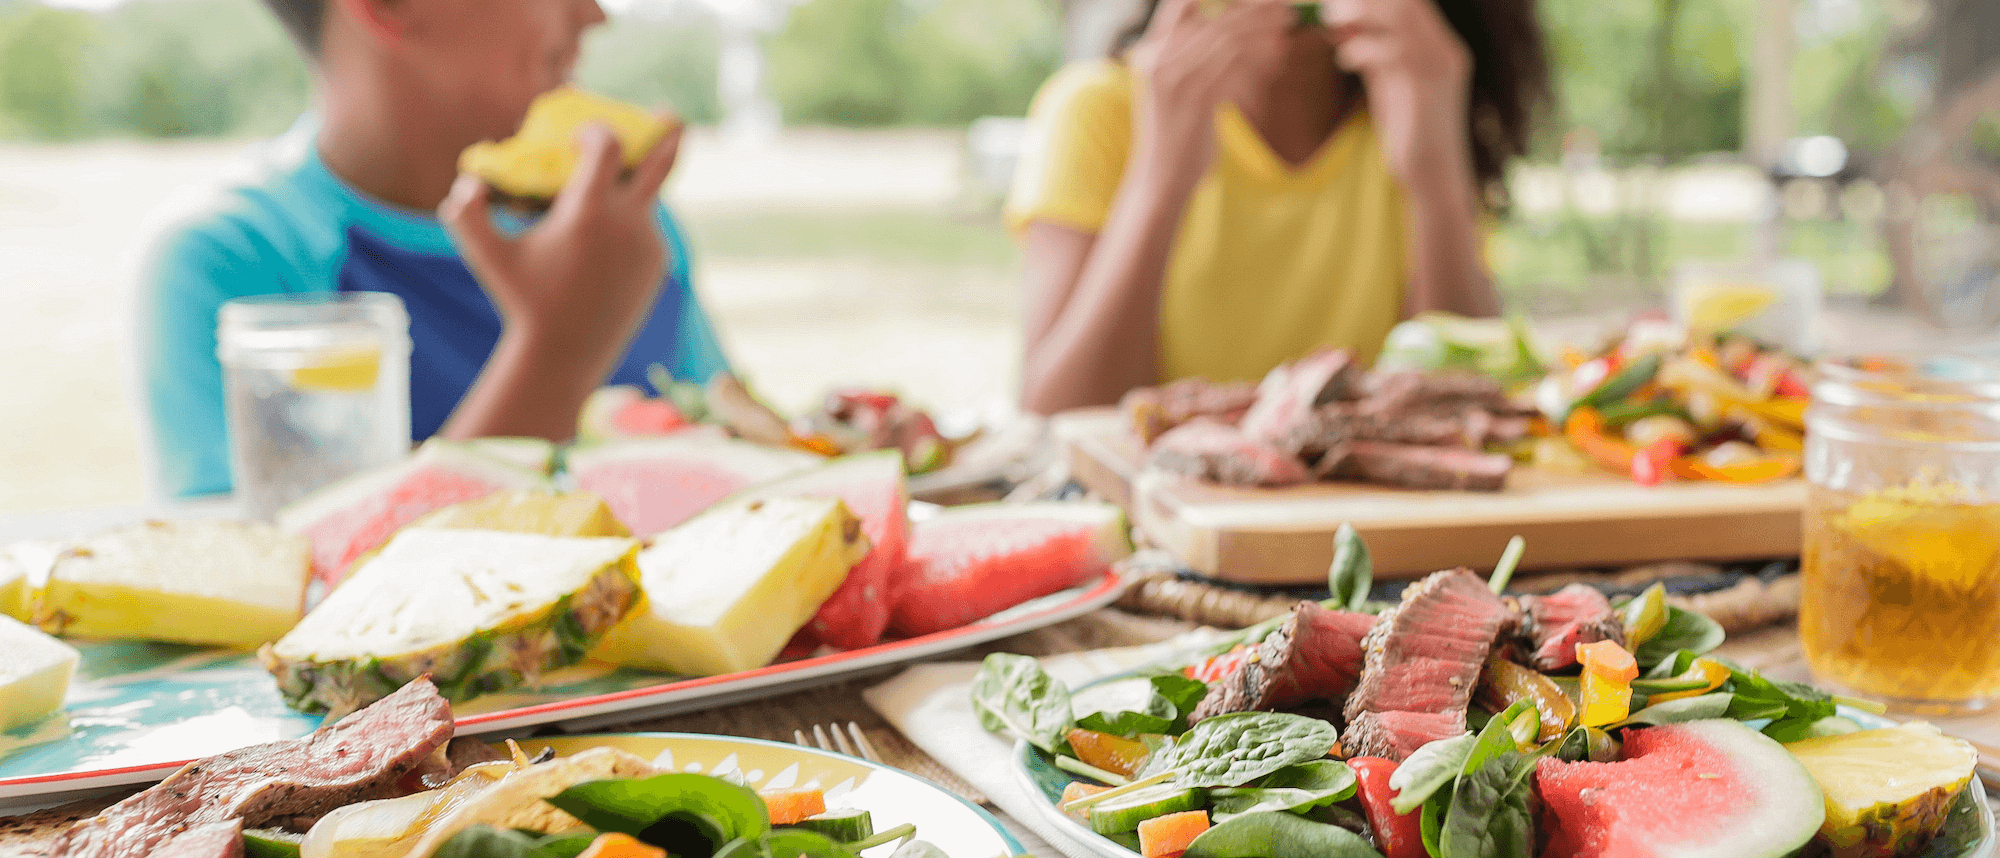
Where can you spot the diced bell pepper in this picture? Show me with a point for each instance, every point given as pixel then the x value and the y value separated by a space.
pixel 1505 683
pixel 1115 754
pixel 1605 701
pixel 1609 660
pixel 1710 671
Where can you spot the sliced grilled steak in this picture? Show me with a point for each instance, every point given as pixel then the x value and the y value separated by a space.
pixel 1576 614
pixel 1414 467
pixel 1208 449
pixel 222 839
pixel 1424 657
pixel 1338 423
pixel 302 777
pixel 1289 393
pixel 1397 735
pixel 1403 391
pixel 1315 655
pixel 1151 411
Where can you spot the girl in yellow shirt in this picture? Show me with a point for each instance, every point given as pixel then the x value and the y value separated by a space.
pixel 1240 188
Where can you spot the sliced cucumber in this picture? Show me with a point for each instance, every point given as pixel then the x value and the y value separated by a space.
pixel 1125 812
pixel 845 826
pixel 271 843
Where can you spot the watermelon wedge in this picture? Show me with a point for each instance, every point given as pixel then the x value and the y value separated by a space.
pixel 1703 789
pixel 970 562
pixel 872 486
pixel 652 484
pixel 353 516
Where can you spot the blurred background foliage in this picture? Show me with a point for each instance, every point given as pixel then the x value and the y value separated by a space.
pixel 1648 78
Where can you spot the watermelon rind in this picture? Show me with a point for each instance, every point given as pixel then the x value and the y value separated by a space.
pixel 1788 807
pixel 453 456
pixel 752 463
pixel 532 454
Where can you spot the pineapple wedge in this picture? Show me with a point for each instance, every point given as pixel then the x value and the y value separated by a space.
pixel 34 676
pixel 477 610
pixel 1887 791
pixel 727 588
pixel 528 511
pixel 535 162
pixel 227 583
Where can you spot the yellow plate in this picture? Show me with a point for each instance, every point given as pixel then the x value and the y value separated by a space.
pixel 891 796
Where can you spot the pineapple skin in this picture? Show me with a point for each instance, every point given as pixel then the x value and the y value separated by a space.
pixel 1886 829
pixel 1890 830
pixel 497 660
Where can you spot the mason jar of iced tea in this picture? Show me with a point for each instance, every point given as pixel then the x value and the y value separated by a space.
pixel 1902 531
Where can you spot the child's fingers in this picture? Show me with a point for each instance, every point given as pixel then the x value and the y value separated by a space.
pixel 653 170
pixel 465 215
pixel 599 161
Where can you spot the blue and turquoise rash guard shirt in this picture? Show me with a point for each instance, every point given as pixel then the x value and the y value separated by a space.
pixel 298 228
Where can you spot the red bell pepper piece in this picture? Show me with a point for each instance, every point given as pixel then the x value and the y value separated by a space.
pixel 1215 667
pixel 1397 835
pixel 1654 462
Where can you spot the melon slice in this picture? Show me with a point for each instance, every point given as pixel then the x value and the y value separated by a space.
pixel 227 583
pixel 727 589
pixel 655 483
pixel 351 517
pixel 625 411
pixel 1703 789
pixel 35 674
pixel 970 562
pixel 873 488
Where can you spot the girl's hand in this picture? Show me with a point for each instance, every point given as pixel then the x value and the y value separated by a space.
pixel 1418 75
pixel 1190 62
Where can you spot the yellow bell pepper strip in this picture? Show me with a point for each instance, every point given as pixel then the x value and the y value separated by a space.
pixel 1608 671
pixel 1707 669
pixel 1115 754
pixel 1763 470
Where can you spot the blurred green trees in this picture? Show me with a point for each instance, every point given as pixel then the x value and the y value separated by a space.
pixel 1652 78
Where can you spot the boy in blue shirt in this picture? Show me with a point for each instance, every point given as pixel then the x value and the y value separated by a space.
pixel 511 331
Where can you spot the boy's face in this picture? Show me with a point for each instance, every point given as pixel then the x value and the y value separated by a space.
pixel 489 58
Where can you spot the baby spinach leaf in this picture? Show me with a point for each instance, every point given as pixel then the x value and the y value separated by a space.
pixel 1235 749
pixel 1293 788
pixel 484 841
pixel 1278 835
pixel 1182 693
pixel 1497 737
pixel 1125 723
pixel 1492 811
pixel 1012 694
pixel 1432 767
pixel 675 810
pixel 1789 706
pixel 1587 743
pixel 1684 630
pixel 1352 572
pixel 1697 708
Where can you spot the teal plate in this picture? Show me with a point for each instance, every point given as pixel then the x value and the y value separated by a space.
pixel 137 711
pixel 1967 833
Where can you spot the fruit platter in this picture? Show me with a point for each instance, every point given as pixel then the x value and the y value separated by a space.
pixel 640 577
pixel 394 778
pixel 1458 721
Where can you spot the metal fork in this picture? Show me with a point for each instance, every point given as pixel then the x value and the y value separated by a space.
pixel 849 739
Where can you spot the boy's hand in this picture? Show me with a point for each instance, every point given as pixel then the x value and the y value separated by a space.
pixel 586 275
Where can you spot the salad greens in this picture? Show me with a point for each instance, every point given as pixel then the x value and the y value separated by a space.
pixel 1298 788
pixel 1278 835
pixel 1241 747
pixel 1012 694
pixel 688 815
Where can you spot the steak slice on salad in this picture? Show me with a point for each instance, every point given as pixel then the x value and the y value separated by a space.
pixel 1315 655
pixel 222 839
pixel 1423 658
pixel 303 777
pixel 1556 623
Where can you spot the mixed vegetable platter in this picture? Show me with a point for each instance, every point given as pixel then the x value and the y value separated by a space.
pixel 1642 742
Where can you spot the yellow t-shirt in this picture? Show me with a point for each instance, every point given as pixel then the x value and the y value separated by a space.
pixel 1271 261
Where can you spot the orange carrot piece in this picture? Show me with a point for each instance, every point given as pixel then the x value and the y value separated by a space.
pixel 620 846
pixel 1164 836
pixel 1609 660
pixel 791 805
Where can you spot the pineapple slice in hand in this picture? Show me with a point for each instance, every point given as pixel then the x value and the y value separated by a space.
pixel 1887 791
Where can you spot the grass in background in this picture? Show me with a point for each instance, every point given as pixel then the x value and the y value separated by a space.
pixel 885 236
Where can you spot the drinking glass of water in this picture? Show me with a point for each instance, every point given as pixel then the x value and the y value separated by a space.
pixel 317 387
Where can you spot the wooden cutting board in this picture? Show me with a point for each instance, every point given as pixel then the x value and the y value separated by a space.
pixel 1285 536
